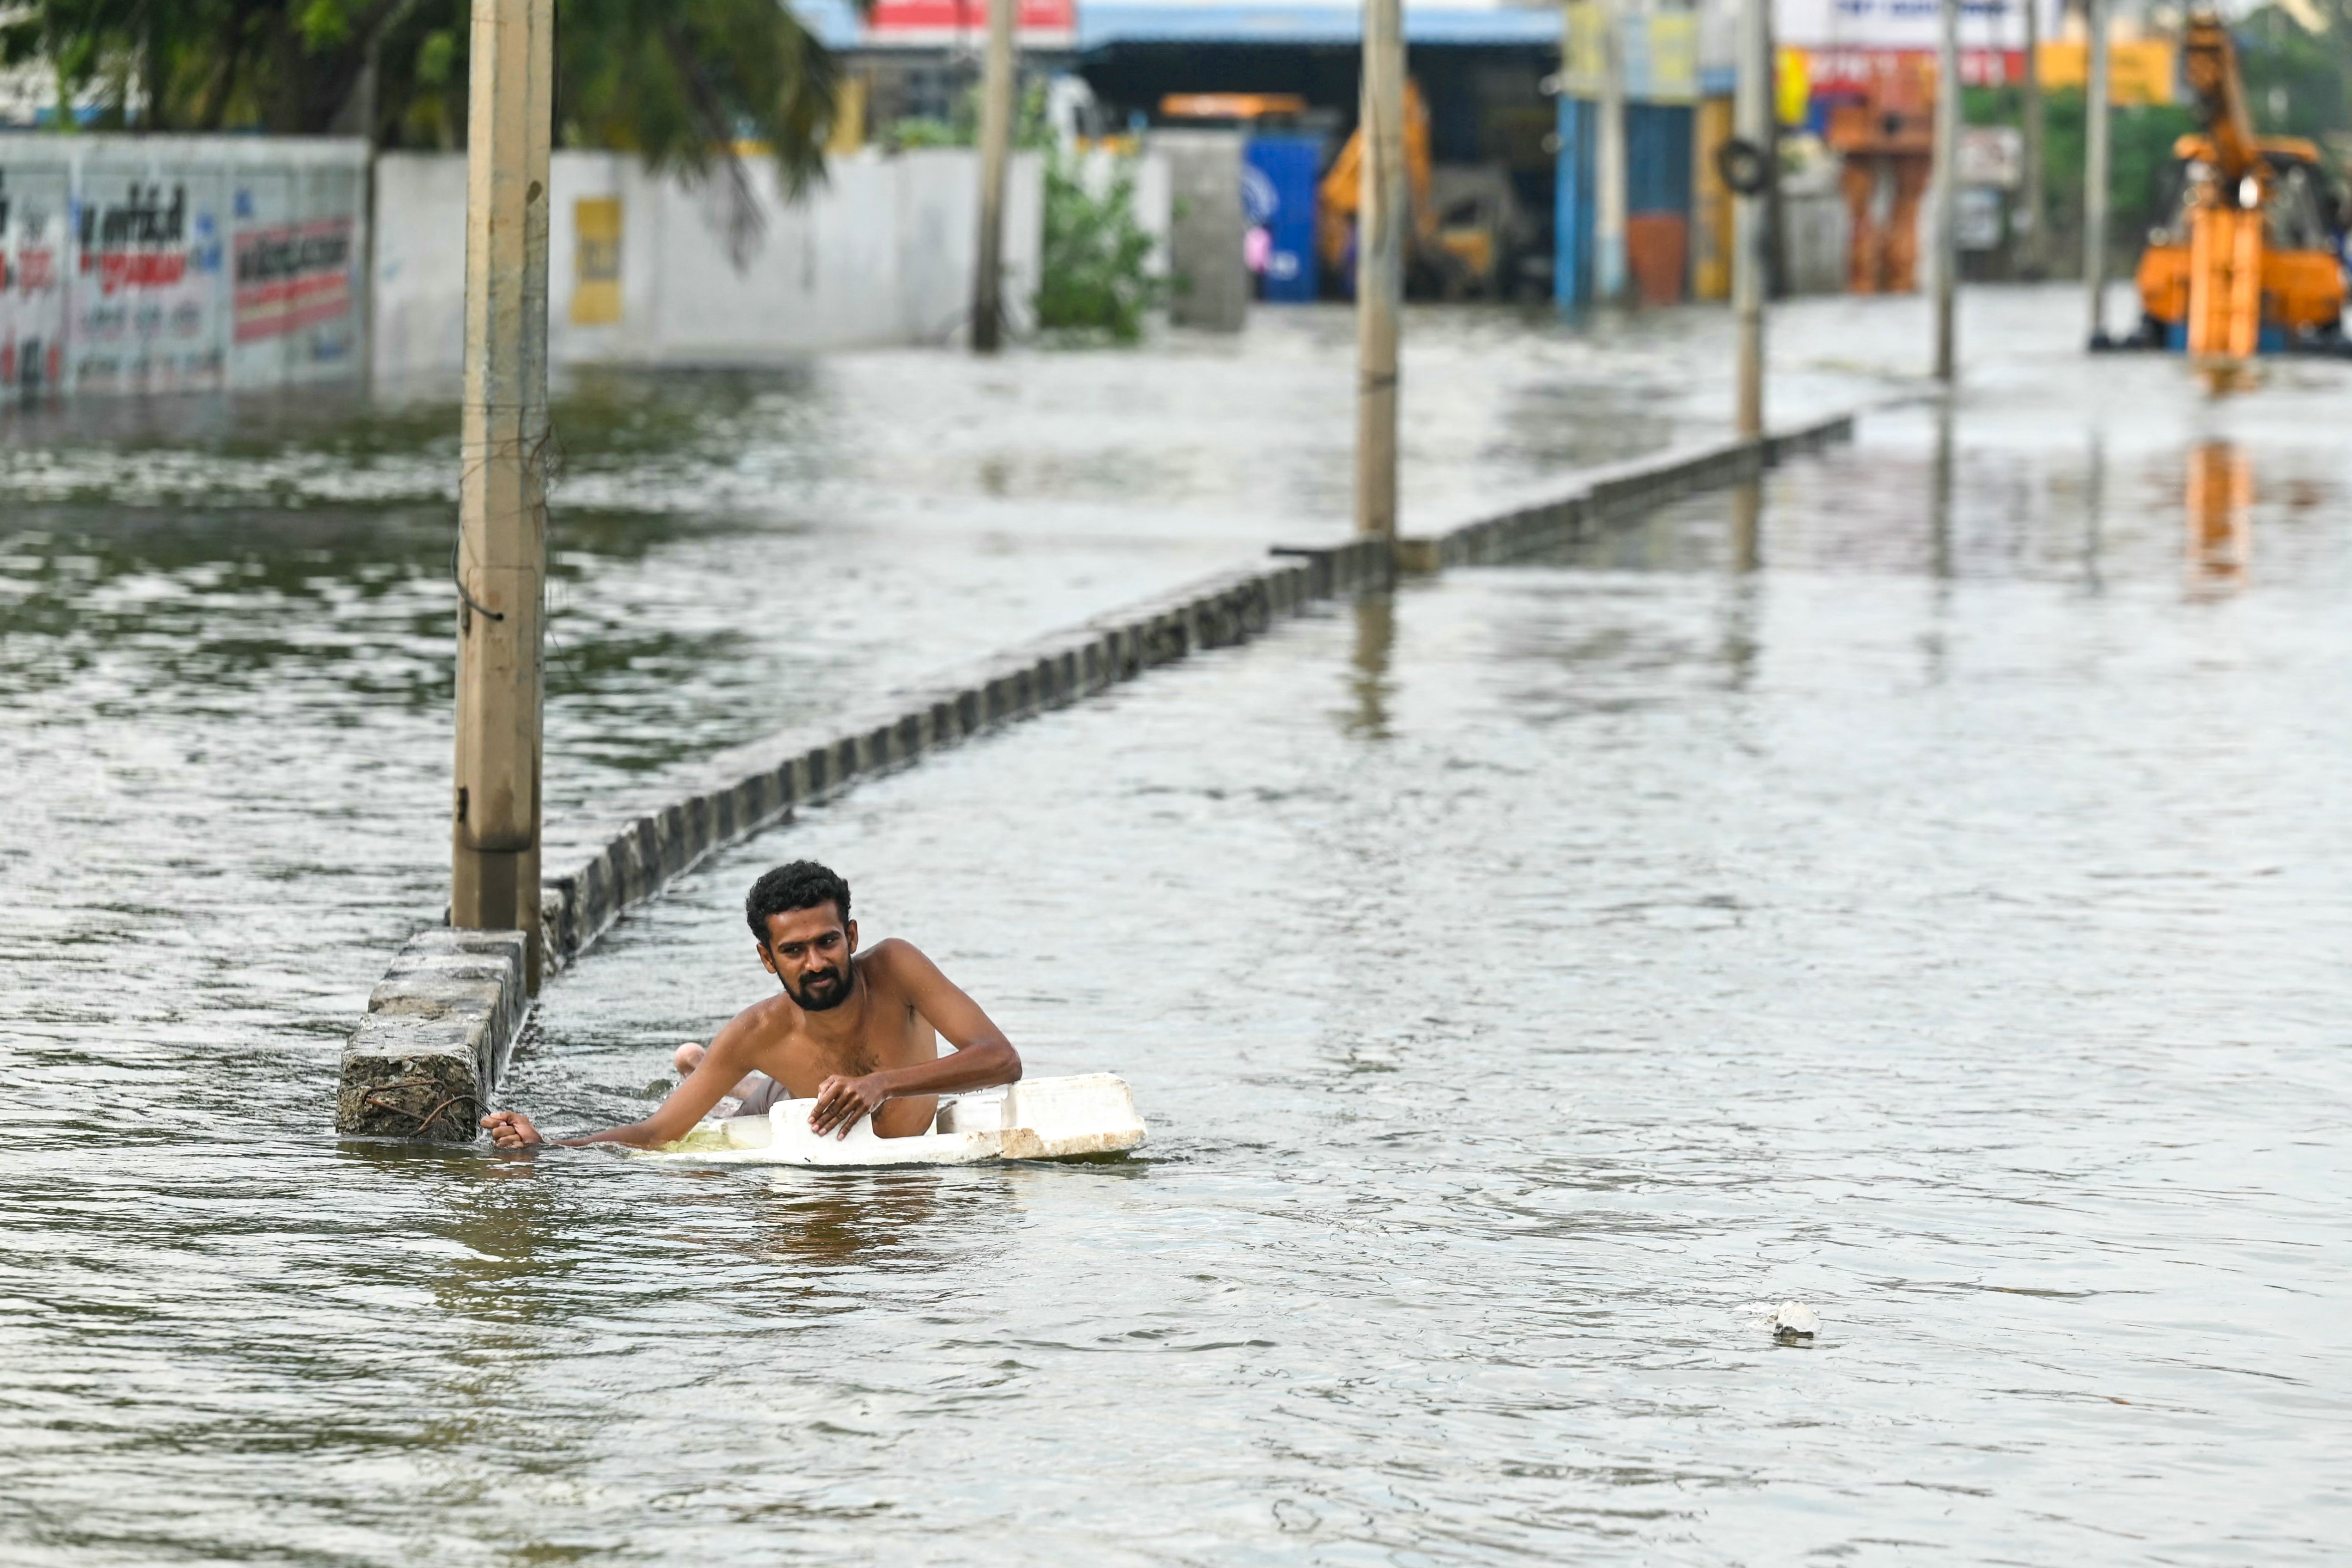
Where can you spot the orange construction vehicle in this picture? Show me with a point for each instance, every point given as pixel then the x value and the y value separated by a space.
pixel 1886 140
pixel 1342 189
pixel 2245 259
pixel 1466 221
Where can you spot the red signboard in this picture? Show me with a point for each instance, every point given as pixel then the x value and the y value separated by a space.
pixel 1834 73
pixel 291 277
pixel 1042 22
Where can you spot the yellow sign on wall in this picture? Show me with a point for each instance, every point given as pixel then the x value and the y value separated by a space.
pixel 597 261
pixel 1792 85
pixel 1657 55
pixel 2137 72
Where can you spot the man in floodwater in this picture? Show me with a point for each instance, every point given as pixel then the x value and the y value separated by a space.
pixel 858 1033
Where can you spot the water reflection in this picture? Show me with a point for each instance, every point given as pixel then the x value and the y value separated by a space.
pixel 2220 514
pixel 1939 497
pixel 827 1219
pixel 1748 525
pixel 1368 679
pixel 2095 509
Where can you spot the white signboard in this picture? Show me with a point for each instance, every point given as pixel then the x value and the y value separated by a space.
pixel 146 298
pixel 135 264
pixel 1993 156
pixel 1906 23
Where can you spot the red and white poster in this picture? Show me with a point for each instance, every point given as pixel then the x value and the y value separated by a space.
pixel 147 265
pixel 1040 24
pixel 33 205
pixel 292 276
pixel 1850 69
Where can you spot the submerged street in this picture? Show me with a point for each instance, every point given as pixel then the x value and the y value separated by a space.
pixel 1915 890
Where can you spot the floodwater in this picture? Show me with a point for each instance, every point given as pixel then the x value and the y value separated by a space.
pixel 1917 890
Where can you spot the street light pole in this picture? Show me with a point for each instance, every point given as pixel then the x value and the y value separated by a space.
pixel 1948 186
pixel 2036 251
pixel 502 563
pixel 995 153
pixel 1382 220
pixel 2095 173
pixel 1609 196
pixel 1751 114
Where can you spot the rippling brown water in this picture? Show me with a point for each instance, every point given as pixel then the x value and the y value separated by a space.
pixel 1941 921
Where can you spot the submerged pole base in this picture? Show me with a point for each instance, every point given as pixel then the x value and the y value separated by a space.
pixel 425 1060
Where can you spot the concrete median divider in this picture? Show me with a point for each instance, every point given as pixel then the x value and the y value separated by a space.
pixel 426 1060
pixel 1604 495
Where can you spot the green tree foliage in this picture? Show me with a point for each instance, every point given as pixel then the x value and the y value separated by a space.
pixel 2295 79
pixel 1094 282
pixel 1029 127
pixel 1092 279
pixel 682 82
pixel 2296 85
pixel 2139 148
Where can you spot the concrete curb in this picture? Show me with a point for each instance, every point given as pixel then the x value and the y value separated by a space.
pixel 1603 495
pixel 438 1028
pixel 435 1034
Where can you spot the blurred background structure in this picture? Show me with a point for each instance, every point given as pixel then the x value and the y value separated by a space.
pixel 739 180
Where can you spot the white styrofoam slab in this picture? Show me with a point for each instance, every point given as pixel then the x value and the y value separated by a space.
pixel 1041 1119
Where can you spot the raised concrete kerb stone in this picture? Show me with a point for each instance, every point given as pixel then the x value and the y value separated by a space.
pixel 1601 495
pixel 425 1059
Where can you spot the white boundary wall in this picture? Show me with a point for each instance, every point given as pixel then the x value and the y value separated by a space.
pixel 137 264
pixel 879 254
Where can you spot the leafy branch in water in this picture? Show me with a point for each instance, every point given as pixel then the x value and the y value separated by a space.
pixel 1095 278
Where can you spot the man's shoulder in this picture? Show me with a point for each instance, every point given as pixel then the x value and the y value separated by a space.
pixel 892 955
pixel 761 1019
pixel 898 965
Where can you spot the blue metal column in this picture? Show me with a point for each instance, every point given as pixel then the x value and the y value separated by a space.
pixel 1572 199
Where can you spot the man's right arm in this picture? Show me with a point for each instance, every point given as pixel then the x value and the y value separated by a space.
pixel 688 1103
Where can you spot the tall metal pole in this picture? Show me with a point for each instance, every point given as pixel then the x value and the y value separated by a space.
pixel 995 152
pixel 1948 184
pixel 2036 252
pixel 1609 159
pixel 1751 117
pixel 2095 173
pixel 1383 218
pixel 501 565
pixel 1776 207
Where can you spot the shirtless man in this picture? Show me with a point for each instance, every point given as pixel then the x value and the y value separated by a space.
pixel 857 1033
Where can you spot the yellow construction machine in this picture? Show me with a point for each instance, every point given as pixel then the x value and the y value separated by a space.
pixel 2245 261
pixel 1465 219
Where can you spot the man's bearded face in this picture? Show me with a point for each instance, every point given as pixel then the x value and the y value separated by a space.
pixel 814 989
pixel 814 953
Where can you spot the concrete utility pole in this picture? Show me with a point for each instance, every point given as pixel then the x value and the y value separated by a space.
pixel 1751 216
pixel 1948 184
pixel 501 564
pixel 2095 172
pixel 1382 219
pixel 2035 252
pixel 1609 159
pixel 995 151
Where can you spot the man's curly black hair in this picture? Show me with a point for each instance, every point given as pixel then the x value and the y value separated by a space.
pixel 802 885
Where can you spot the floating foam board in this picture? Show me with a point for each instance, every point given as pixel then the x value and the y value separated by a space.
pixel 1039 1119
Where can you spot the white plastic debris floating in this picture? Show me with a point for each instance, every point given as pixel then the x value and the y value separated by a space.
pixel 1038 1118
